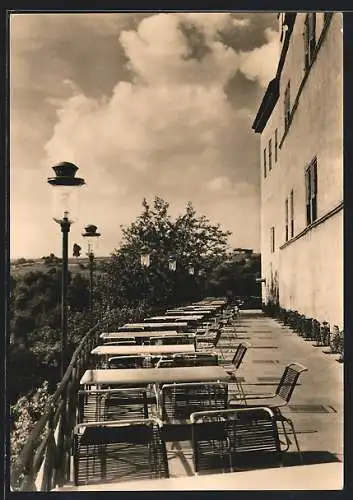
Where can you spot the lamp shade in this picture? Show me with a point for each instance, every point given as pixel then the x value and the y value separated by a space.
pixel 191 269
pixel 172 263
pixel 145 257
pixel 92 238
pixel 65 186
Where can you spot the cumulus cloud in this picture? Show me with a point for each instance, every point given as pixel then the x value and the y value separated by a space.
pixel 171 130
pixel 261 63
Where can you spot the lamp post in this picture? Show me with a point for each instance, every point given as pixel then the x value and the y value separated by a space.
pixel 64 204
pixel 92 238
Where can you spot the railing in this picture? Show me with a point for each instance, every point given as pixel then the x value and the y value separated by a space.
pixel 44 461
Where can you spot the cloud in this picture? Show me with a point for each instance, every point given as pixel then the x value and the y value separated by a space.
pixel 261 63
pixel 168 129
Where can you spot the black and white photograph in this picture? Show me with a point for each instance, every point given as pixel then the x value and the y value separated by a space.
pixel 176 271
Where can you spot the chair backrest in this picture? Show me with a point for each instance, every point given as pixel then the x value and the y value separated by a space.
pixel 101 452
pixel 239 354
pixel 197 359
pixel 126 362
pixel 172 340
pixel 235 439
pixel 178 401
pixel 289 380
pixel 117 340
pixel 165 363
pixel 96 405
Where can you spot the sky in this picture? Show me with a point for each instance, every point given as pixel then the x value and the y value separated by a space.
pixel 145 104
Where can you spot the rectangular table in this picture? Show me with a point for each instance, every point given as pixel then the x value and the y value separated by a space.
pixel 126 350
pixel 139 335
pixel 181 317
pixel 326 476
pixel 176 325
pixel 145 376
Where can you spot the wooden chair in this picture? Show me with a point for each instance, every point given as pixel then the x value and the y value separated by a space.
pixel 118 451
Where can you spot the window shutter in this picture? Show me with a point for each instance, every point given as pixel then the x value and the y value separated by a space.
pixel 307 185
pixel 306 43
pixel 313 178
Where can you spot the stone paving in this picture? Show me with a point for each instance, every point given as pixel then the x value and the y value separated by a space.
pixel 316 406
pixel 319 422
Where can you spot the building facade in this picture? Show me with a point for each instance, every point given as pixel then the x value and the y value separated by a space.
pixel 300 120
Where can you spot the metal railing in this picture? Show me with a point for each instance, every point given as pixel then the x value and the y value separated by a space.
pixel 44 461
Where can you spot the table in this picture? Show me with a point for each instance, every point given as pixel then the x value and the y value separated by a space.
pixel 328 476
pixel 145 376
pixel 115 350
pixel 140 335
pixel 176 325
pixel 176 317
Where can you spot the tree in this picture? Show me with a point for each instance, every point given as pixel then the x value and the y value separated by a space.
pixel 189 238
pixel 236 276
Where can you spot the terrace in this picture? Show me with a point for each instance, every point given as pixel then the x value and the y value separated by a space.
pixel 172 411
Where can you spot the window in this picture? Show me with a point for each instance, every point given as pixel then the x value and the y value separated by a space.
pixel 286 212
pixel 270 154
pixel 311 191
pixel 291 205
pixel 309 38
pixel 272 239
pixel 287 106
pixel 276 145
pixel 265 166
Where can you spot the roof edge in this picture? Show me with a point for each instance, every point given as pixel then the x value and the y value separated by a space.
pixel 272 92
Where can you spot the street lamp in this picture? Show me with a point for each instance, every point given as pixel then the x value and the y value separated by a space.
pixel 92 238
pixel 145 257
pixel 172 263
pixel 191 269
pixel 65 201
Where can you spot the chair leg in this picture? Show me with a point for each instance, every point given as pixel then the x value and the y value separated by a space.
pixel 295 439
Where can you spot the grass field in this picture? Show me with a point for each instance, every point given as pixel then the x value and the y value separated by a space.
pixel 76 266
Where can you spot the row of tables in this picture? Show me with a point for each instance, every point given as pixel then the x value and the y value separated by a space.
pixel 156 326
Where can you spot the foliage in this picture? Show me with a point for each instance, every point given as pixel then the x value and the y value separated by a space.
pixel 188 238
pixel 235 277
pixel 23 415
pixel 337 341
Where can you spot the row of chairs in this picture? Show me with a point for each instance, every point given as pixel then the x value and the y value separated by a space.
pixel 229 437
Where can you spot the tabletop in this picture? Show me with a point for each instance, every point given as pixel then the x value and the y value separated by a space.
pixel 145 376
pixel 142 334
pixel 327 476
pixel 168 326
pixel 176 317
pixel 114 350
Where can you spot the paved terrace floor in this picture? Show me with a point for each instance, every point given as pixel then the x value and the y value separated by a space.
pixel 316 407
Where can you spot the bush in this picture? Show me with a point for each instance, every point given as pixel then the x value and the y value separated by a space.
pixel 337 341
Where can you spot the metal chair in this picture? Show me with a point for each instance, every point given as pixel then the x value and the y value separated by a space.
pixel 235 365
pixel 231 440
pixel 172 340
pixel 97 405
pixel 118 451
pixel 125 341
pixel 209 339
pixel 178 401
pixel 126 362
pixel 197 359
pixel 278 399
